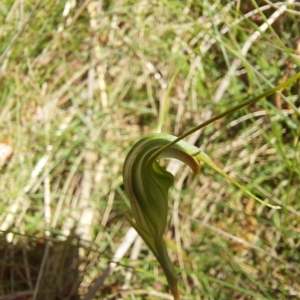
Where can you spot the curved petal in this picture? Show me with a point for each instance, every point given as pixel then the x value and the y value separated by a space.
pixel 147 183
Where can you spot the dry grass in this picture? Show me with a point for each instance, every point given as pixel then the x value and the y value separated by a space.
pixel 81 81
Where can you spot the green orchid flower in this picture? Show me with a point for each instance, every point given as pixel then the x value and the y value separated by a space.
pixel 147 183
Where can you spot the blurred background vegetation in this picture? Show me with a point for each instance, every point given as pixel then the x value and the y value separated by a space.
pixel 81 81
